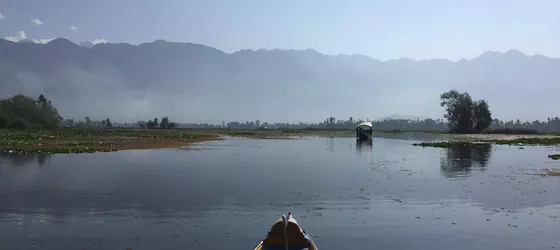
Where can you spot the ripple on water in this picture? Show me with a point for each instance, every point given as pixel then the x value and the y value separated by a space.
pixel 386 195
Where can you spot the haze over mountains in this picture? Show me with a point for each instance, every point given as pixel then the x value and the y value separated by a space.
pixel 197 83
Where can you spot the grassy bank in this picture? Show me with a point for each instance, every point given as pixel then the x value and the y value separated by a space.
pixel 554 157
pixel 64 141
pixel 87 141
pixel 104 140
pixel 478 140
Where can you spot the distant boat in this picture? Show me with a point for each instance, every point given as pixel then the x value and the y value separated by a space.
pixel 286 234
pixel 364 131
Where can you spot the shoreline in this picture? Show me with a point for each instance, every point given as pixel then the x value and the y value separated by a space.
pixel 479 140
pixel 69 141
pixel 79 141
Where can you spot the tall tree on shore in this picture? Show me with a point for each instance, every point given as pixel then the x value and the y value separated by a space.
pixel 463 114
pixel 164 122
pixel 43 102
pixel 482 116
pixel 33 113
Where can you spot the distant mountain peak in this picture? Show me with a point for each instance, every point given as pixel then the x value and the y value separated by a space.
pixel 61 40
pixel 514 52
pixel 490 54
pixel 495 54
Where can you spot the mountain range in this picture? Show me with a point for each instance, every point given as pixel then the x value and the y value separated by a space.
pixel 197 83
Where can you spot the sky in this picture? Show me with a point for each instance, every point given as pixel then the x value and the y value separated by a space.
pixel 416 29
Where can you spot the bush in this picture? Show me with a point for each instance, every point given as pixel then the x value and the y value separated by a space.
pixel 3 122
pixel 19 123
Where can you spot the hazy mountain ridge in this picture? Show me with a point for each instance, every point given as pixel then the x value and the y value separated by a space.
pixel 192 82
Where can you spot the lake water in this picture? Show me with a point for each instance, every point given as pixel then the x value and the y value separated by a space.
pixel 225 195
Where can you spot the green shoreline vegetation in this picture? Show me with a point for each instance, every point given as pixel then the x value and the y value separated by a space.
pixel 554 157
pixel 465 116
pixel 530 141
pixel 65 141
pixel 29 126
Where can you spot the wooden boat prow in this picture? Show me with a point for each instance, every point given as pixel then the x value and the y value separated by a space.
pixel 286 230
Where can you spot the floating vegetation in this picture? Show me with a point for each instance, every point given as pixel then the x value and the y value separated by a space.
pixel 546 172
pixel 481 142
pixel 554 157
pixel 242 133
pixel 58 150
pixel 529 141
pixel 452 144
pixel 70 141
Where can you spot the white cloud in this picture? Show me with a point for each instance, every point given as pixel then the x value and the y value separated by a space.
pixel 22 36
pixel 97 41
pixel 17 37
pixel 36 21
pixel 2 16
pixel 43 41
pixel 73 28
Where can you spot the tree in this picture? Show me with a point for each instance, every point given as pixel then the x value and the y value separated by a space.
pixel 40 114
pixel 19 123
pixel 171 125
pixel 482 116
pixel 141 124
pixel 68 122
pixel 152 123
pixel 108 123
pixel 458 107
pixel 164 122
pixel 44 103
pixel 330 122
pixel 463 114
pixel 87 121
pixel 3 122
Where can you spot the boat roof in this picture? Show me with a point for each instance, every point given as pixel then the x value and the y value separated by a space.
pixel 368 124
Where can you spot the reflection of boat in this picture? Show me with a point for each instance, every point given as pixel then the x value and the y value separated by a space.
pixel 364 131
pixel 285 233
pixel 363 145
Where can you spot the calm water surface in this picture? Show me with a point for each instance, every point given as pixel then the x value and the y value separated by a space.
pixel 225 195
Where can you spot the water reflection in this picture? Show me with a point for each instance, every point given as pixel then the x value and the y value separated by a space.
pixel 461 161
pixel 363 145
pixel 330 143
pixel 22 159
pixel 186 199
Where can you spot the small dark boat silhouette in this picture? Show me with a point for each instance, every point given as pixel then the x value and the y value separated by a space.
pixel 364 131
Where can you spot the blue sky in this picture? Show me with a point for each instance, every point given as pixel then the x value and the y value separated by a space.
pixel 380 29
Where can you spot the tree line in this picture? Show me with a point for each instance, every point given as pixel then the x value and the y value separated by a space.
pixel 22 112
pixel 547 126
pixel 155 123
pixel 87 123
pixel 462 115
